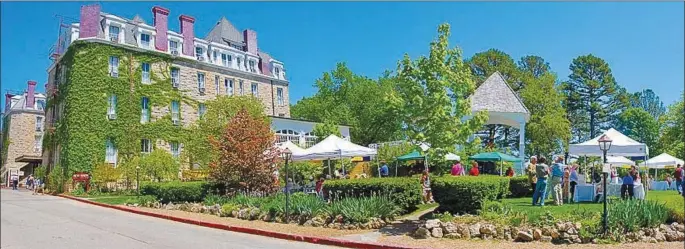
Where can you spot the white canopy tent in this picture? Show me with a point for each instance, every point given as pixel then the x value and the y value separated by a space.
pixel 621 145
pixel 291 146
pixel 661 161
pixel 333 147
pixel 449 157
pixel 619 160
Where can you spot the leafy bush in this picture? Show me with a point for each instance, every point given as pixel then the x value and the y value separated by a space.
pixel 103 174
pixel 468 194
pixel 520 187
pixel 56 180
pixel 631 215
pixel 363 209
pixel 404 192
pixel 212 199
pixel 228 208
pixel 306 206
pixel 176 191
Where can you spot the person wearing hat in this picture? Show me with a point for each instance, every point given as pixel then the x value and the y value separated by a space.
pixel 530 171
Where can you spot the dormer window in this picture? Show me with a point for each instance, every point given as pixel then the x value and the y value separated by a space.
pixel 277 72
pixel 145 40
pixel 252 66
pixel 199 53
pixel 239 60
pixel 173 47
pixel 114 33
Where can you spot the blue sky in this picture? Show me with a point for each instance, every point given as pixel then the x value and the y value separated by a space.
pixel 642 42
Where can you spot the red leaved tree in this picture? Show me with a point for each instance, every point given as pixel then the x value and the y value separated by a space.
pixel 246 154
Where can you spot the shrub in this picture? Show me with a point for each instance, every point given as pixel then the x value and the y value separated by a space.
pixel 212 199
pixel 363 209
pixel 306 206
pixel 56 179
pixel 404 192
pixel 176 191
pixel 631 215
pixel 520 187
pixel 467 194
pixel 228 208
pixel 143 200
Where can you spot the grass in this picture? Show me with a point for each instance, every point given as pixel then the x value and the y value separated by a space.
pixel 113 200
pixel 420 210
pixel 673 201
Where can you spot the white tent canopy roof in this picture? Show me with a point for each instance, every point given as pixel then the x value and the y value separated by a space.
pixel 452 157
pixel 291 146
pixel 661 161
pixel 333 147
pixel 621 145
pixel 619 160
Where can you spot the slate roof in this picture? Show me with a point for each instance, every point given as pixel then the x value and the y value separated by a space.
pixel 495 95
pixel 224 32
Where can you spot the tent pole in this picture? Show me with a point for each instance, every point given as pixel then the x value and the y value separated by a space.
pixel 341 162
pixel 396 164
pixel 329 167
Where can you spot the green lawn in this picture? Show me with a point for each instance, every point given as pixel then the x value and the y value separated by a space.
pixel 113 200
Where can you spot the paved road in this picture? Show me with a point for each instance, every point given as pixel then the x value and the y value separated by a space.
pixel 53 222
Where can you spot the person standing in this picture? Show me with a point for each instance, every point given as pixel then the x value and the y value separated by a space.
pixel 510 172
pixel 426 186
pixel 530 171
pixel 541 172
pixel 573 181
pixel 678 175
pixel 457 169
pixel 556 180
pixel 627 186
pixel 474 169
pixel 384 170
pixel 15 181
pixel 319 187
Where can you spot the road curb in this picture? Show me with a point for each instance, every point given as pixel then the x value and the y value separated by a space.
pixel 286 236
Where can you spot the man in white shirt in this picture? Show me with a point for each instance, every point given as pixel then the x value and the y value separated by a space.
pixel 15 181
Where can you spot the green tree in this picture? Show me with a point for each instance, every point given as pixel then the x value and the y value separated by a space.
pixel 672 130
pixel 548 126
pixel 198 149
pixel 648 101
pixel 346 98
pixel 591 92
pixel 641 126
pixel 389 152
pixel 159 165
pixel 533 65
pixel 104 174
pixel 325 129
pixel 432 97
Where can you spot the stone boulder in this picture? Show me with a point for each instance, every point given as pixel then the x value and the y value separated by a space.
pixel 430 224
pixel 474 230
pixel 488 230
pixel 448 227
pixel 422 233
pixel 537 234
pixel 524 236
pixel 464 231
pixel 436 232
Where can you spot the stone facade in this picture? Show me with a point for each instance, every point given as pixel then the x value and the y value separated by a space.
pixel 24 140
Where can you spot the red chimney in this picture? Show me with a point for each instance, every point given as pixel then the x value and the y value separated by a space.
pixel 30 98
pixel 161 20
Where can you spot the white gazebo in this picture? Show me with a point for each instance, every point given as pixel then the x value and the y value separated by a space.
pixel 332 147
pixel 503 106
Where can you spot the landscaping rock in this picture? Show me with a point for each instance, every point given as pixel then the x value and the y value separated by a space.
pixel 680 236
pixel 547 231
pixel 677 227
pixel 487 229
pixel 507 236
pixel 577 225
pixel 523 236
pixel 671 236
pixel 430 224
pixel 448 227
pixel 452 236
pixel 537 234
pixel 436 232
pixel 561 226
pixel 422 233
pixel 652 240
pixel 571 230
pixel 564 235
pixel 474 230
pixel 665 228
pixel 464 231
pixel 546 239
pixel 659 236
pixel 554 234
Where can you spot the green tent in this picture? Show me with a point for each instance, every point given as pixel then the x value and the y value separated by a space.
pixel 494 157
pixel 414 155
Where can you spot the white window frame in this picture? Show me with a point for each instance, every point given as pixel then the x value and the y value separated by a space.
pixel 253 65
pixel 239 61
pixel 201 110
pixel 144 110
pixel 40 106
pixel 146 74
pixel 174 48
pixel 228 83
pixel 279 96
pixel 145 146
pixel 113 66
pixel 175 78
pixel 143 43
pixel 118 35
pixel 39 123
pixel 175 112
pixel 216 82
pixel 175 149
pixel 201 54
pixel 277 72
pixel 254 89
pixel 38 143
pixel 112 105
pixel 110 152
pixel 201 81
pixel 224 59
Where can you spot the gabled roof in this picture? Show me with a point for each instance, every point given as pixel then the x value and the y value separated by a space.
pixel 495 95
pixel 224 32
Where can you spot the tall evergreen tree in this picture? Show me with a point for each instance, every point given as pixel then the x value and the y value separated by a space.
pixel 648 101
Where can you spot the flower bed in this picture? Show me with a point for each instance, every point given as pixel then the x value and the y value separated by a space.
pixel 403 191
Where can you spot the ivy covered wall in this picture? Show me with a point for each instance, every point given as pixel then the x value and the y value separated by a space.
pixel 83 129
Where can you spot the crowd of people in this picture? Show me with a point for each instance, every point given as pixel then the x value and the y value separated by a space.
pixel 32 183
pixel 559 179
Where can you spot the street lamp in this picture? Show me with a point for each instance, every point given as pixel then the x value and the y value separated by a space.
pixel 604 145
pixel 286 155
pixel 137 180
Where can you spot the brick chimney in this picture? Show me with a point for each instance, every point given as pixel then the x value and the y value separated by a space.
pixel 161 23
pixel 90 21
pixel 187 23
pixel 30 94
pixel 250 41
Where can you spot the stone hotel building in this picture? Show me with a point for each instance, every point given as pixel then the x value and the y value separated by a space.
pixel 115 79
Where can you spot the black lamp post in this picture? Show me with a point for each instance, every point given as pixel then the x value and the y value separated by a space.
pixel 137 180
pixel 286 154
pixel 604 145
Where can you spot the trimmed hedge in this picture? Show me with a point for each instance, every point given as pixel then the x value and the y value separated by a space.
pixel 520 187
pixel 404 191
pixel 466 194
pixel 177 192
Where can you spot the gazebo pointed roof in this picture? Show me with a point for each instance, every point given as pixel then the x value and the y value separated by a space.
pixel 502 103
